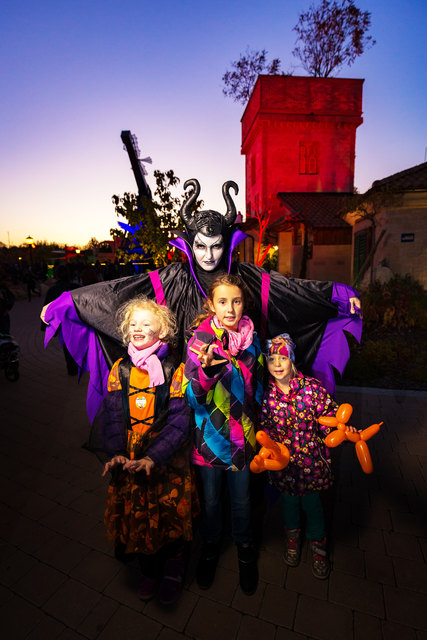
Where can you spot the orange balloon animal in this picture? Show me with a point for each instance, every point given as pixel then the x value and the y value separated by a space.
pixel 273 456
pixel 342 433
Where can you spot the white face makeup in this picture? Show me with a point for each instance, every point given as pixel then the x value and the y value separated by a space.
pixel 208 251
pixel 144 328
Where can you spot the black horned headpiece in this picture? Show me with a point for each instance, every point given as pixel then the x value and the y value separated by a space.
pixel 210 223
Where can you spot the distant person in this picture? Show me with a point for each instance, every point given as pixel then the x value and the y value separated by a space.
pixel 110 271
pixel 144 427
pixel 63 283
pixel 88 275
pixel 31 283
pixel 7 300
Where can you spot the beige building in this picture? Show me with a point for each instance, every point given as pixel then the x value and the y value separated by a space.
pixel 401 227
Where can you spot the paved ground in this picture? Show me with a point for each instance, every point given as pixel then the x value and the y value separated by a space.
pixel 58 578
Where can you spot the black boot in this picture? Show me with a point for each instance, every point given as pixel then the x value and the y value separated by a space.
pixel 121 555
pixel 248 569
pixel 206 567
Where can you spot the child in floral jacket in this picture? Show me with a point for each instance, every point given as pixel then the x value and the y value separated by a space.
pixel 291 407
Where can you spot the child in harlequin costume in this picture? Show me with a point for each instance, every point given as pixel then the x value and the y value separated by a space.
pixel 144 428
pixel 291 407
pixel 223 385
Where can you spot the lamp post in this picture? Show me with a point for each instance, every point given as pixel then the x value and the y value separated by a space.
pixel 30 242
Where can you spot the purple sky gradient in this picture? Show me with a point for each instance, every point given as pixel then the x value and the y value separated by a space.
pixel 76 72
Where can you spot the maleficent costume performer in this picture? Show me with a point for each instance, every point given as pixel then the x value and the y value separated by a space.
pixel 314 313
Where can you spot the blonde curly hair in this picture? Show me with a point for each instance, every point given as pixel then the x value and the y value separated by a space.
pixel 165 316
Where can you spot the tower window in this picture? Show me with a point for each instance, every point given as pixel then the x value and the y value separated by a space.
pixel 309 158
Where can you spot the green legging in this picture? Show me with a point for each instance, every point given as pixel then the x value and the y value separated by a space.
pixel 313 509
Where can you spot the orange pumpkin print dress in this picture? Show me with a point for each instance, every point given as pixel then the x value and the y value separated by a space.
pixel 145 513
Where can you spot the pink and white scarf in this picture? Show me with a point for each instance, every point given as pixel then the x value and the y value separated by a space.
pixel 146 359
pixel 240 339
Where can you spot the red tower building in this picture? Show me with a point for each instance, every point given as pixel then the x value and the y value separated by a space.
pixel 298 136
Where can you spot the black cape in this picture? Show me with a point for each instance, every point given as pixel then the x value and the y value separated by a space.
pixel 300 307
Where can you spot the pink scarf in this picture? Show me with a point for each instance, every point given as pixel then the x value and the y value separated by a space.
pixel 240 339
pixel 146 359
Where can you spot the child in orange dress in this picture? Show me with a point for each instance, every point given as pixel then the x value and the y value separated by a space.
pixel 144 427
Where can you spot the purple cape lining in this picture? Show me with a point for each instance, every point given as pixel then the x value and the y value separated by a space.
pixel 334 350
pixel 83 345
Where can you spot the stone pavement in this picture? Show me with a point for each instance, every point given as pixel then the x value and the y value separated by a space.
pixel 58 578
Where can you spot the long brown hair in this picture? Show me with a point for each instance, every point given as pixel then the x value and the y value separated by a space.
pixel 231 280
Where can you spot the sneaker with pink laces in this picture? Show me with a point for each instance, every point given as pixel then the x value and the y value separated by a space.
pixel 292 553
pixel 320 565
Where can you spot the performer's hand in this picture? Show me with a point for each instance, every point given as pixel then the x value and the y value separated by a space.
pixel 114 462
pixel 43 313
pixel 206 356
pixel 145 464
pixel 355 306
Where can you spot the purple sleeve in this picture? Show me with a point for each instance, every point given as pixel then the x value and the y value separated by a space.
pixel 83 345
pixel 174 433
pixel 108 434
pixel 341 293
pixel 334 350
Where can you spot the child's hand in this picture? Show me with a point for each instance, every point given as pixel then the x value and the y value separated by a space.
pixel 352 429
pixel 114 462
pixel 206 356
pixel 145 464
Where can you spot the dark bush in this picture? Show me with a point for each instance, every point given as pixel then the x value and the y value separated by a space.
pixel 392 353
pixel 400 303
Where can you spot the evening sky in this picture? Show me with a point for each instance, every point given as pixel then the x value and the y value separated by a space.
pixel 75 73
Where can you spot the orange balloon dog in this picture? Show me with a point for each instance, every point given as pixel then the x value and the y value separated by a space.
pixel 342 433
pixel 273 456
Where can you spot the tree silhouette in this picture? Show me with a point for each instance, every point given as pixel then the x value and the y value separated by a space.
pixel 239 82
pixel 151 221
pixel 330 36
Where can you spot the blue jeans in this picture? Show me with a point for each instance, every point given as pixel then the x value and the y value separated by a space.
pixel 312 506
pixel 211 517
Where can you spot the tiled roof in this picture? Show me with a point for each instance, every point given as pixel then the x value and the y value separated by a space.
pixel 407 180
pixel 317 209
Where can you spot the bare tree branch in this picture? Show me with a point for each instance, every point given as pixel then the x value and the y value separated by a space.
pixel 239 82
pixel 331 35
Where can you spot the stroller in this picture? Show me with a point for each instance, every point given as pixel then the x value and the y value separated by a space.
pixel 9 356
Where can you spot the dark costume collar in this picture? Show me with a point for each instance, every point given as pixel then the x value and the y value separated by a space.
pixel 182 242
pixel 209 223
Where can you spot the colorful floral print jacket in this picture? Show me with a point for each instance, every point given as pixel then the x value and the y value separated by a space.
pixel 292 420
